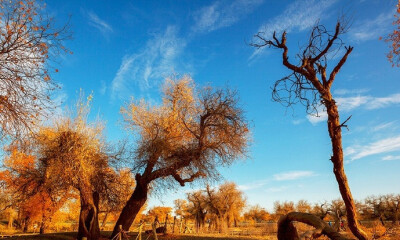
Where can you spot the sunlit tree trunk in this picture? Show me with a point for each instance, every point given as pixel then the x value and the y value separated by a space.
pixel 312 74
pixel 10 221
pixel 133 206
pixel 335 133
pixel 88 218
pixel 26 224
pixel 287 230
pixel 104 222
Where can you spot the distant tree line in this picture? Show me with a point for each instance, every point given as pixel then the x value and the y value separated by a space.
pixel 216 209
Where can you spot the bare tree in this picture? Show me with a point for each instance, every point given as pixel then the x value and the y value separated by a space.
pixel 310 84
pixel 187 137
pixel 28 40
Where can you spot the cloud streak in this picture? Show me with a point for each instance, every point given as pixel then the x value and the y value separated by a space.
pixel 253 185
pixel 293 175
pixel 158 59
pixel 381 146
pixel 219 15
pixel 297 17
pixel 391 158
pixel 98 23
pixel 347 104
pixel 372 28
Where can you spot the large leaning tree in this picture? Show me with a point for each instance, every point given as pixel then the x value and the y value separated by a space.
pixel 186 138
pixel 29 42
pixel 309 83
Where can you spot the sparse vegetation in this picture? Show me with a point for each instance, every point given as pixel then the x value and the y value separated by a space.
pixel 60 177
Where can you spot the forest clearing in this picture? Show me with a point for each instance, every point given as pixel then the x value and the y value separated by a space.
pixel 155 120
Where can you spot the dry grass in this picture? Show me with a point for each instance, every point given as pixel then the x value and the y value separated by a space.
pixel 72 236
pixel 378 230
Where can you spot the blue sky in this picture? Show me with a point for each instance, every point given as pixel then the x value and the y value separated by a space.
pixel 126 48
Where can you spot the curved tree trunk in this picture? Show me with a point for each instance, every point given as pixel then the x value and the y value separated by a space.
pixel 88 217
pixel 42 229
pixel 44 223
pixel 335 133
pixel 26 224
pixel 132 207
pixel 287 230
pixel 104 222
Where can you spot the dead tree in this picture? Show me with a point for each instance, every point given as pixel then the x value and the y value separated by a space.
pixel 310 84
pixel 287 230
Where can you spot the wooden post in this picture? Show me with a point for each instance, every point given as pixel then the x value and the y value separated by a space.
pixel 173 226
pixel 120 232
pixel 154 230
pixel 140 231
pixel 166 224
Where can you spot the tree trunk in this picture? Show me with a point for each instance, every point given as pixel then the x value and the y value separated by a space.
pixel 132 207
pixel 335 133
pixel 44 223
pixel 42 229
pixel 287 230
pixel 88 217
pixel 26 224
pixel 10 221
pixel 104 222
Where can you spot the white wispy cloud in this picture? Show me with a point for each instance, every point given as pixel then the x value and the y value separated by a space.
pixel 347 104
pixel 383 126
pixel 100 24
pixel 381 102
pixel 103 88
pixel 381 146
pixel 253 185
pixel 372 28
pixel 391 158
pixel 313 119
pixel 343 91
pixel 276 189
pixel 297 17
pixel 159 58
pixel 293 175
pixel 222 14
pixel 297 121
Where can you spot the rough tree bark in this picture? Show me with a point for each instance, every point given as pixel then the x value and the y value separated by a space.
pixel 287 230
pixel 133 206
pixel 313 64
pixel 335 133
pixel 26 224
pixel 88 217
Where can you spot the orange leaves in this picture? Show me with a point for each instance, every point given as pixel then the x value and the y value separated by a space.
pixel 170 120
pixel 26 36
pixel 19 161
pixel 394 38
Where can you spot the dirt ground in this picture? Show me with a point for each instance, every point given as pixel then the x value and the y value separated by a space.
pixel 72 235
